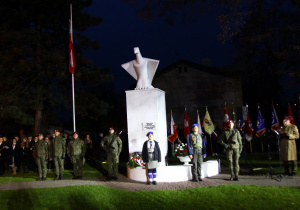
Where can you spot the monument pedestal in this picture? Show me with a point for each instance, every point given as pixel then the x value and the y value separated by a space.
pixel 178 173
pixel 146 111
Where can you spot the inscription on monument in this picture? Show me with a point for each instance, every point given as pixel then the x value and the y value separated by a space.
pixel 149 126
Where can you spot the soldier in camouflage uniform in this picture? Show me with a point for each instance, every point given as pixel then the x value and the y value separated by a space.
pixel 58 152
pixel 232 141
pixel 40 153
pixel 112 144
pixel 76 151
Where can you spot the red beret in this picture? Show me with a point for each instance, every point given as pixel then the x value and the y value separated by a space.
pixel 286 118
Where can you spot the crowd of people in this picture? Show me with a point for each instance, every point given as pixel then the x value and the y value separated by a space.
pixel 60 150
pixel 45 153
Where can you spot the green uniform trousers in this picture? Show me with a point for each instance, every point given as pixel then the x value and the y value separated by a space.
pixel 233 156
pixel 77 165
pixel 112 164
pixel 42 166
pixel 59 165
pixel 197 161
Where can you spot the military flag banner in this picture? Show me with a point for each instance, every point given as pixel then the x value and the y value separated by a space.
pixel 172 132
pixel 186 124
pixel 292 120
pixel 260 126
pixel 226 118
pixel 275 123
pixel 207 124
pixel 248 128
pixel 72 62
pixel 199 123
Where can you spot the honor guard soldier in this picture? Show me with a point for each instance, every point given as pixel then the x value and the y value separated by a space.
pixel 196 148
pixel 288 148
pixel 58 152
pixel 112 144
pixel 232 141
pixel 76 151
pixel 40 153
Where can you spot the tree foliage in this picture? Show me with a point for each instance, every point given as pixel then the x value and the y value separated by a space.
pixel 34 38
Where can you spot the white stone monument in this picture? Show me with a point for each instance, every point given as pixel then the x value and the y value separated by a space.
pixel 146 111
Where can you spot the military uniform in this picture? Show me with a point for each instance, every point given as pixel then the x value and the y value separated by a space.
pixel 40 153
pixel 197 148
pixel 288 147
pixel 76 150
pixel 232 141
pixel 112 144
pixel 58 152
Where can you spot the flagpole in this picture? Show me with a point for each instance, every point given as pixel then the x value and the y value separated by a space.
pixel 73 93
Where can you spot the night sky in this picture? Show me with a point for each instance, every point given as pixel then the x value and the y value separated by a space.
pixel 122 30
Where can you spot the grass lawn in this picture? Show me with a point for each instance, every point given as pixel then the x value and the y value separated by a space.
pixel 101 197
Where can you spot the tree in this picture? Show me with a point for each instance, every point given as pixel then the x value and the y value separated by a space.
pixel 265 34
pixel 34 62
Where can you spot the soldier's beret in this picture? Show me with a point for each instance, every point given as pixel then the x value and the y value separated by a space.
pixel 111 128
pixel 231 121
pixel 56 130
pixel 40 134
pixel 194 125
pixel 149 133
pixel 286 118
pixel 75 132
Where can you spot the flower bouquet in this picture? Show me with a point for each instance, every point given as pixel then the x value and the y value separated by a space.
pixel 136 161
pixel 181 150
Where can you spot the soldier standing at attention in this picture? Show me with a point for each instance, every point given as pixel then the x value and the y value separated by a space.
pixel 40 153
pixel 112 144
pixel 288 148
pixel 196 148
pixel 76 151
pixel 232 141
pixel 58 152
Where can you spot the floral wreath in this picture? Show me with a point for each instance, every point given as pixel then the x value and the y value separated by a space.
pixel 136 161
pixel 181 150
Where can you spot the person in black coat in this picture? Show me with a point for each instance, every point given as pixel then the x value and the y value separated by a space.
pixel 24 155
pixel 14 156
pixel 151 156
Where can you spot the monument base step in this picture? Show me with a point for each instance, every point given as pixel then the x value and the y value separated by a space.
pixel 177 173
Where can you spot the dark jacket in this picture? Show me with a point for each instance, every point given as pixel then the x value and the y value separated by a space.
pixel 157 153
pixel 190 145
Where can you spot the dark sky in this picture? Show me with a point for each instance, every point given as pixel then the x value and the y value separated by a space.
pixel 121 31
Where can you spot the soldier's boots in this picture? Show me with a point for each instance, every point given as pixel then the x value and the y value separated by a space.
pixel 236 178
pixel 154 182
pixel 200 179
pixel 231 178
pixel 39 179
pixel 57 177
pixel 196 179
pixel 61 177
pixel 44 179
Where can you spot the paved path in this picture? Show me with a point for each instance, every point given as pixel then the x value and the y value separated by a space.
pixel 127 184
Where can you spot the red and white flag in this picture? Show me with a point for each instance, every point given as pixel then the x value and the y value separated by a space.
pixel 248 128
pixel 186 124
pixel 292 120
pixel 72 62
pixel 226 118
